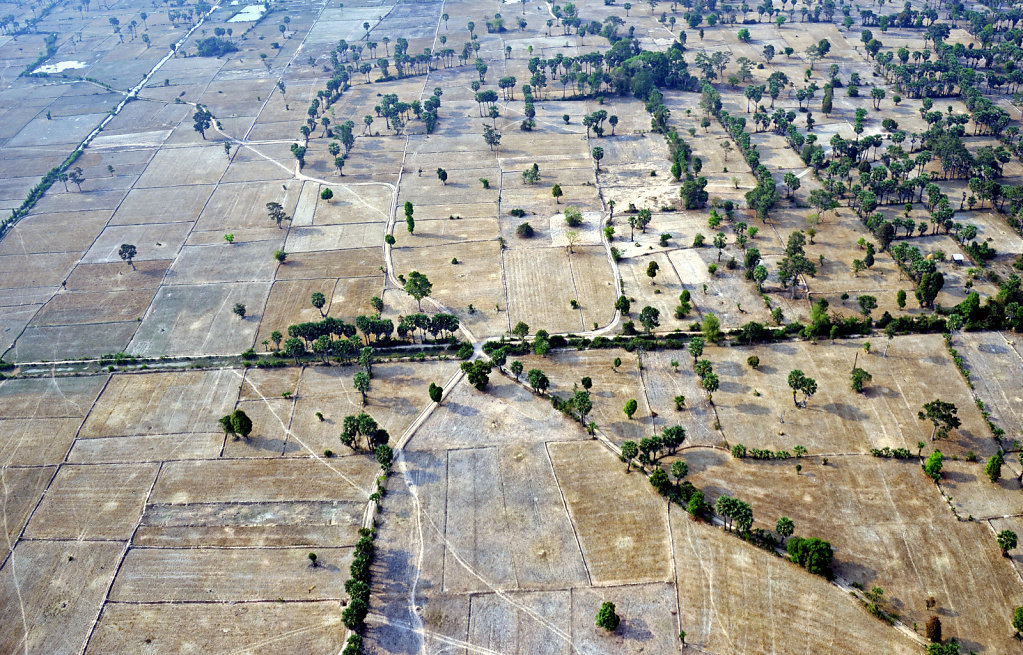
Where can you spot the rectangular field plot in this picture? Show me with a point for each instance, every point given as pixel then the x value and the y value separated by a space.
pixel 60 232
pixel 30 442
pixel 41 270
pixel 235 206
pixel 163 403
pixel 180 204
pixel 44 582
pixel 537 622
pixel 152 241
pixel 916 370
pixel 184 166
pixel 93 502
pixel 290 303
pixel 198 320
pixel 116 276
pixel 59 342
pixel 354 204
pixel 159 574
pixel 266 480
pixel 607 536
pixel 270 628
pixel 21 492
pixel 147 448
pixel 274 525
pixel 334 237
pixel 94 307
pixel 356 262
pixel 251 261
pixel 53 398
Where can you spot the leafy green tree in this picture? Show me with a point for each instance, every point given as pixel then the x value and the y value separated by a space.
pixel 812 554
pixel 623 305
pixel 710 384
pixel 795 380
pixel 859 379
pixel 598 154
pixel 319 301
pixel 711 328
pixel 784 527
pixel 697 504
pixel 651 271
pixel 361 384
pixel 679 470
pixel 202 120
pixel 520 330
pixel 993 468
pixel 442 175
pixel 537 380
pixel 239 310
pixel 932 467
pixel 478 373
pixel 1006 541
pixel 241 423
pixel 582 403
pixel 942 415
pixel 418 286
pixel 226 425
pixel 649 317
pixel 516 368
pixel 293 347
pixel 607 618
pixel 276 213
pixel 326 194
pixel 127 253
pixel 696 345
pixel 629 452
pixel 867 304
pixel 436 392
pixel 76 177
pixel 557 193
pixel 385 456
pixel 630 407
pixel 1017 621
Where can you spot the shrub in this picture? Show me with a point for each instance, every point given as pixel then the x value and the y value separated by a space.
pixel 525 231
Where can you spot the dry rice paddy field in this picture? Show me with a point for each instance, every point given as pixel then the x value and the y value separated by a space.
pixel 134 524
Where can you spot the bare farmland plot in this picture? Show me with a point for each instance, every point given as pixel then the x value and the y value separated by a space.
pixel 177 574
pixel 198 319
pixel 878 533
pixel 478 280
pixel 35 441
pixel 93 502
pixel 265 480
pixel 352 263
pixel 837 420
pixel 153 241
pixel 94 307
pixel 606 535
pixel 284 524
pixel 55 397
pixel 307 627
pixel 545 303
pixel 146 448
pixel 60 232
pixel 163 205
pixel 270 420
pixel 23 487
pixel 184 166
pixel 735 599
pixel 113 277
pixel 236 206
pixel 63 580
pixel 162 403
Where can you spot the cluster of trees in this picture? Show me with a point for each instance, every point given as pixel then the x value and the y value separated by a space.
pixel 357 588
pixel 363 425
